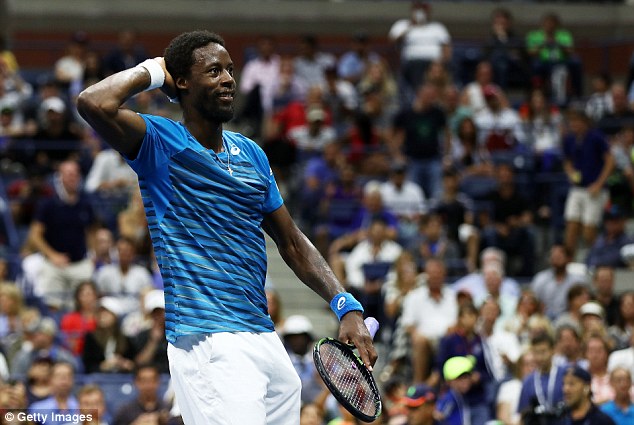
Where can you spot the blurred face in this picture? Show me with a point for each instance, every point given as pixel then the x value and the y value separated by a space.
pixel 489 311
pixel 627 307
pixel 467 320
pixel 311 415
pixel 596 353
pixel 492 279
pixel 373 201
pixel 266 47
pixel 579 300
pixel 575 391
pixel 435 275
pixel 106 318
pixel 70 176
pixel 433 230
pixel 147 383
pixel 103 241
pixel 527 304
pixel 62 379
pixel 87 297
pixel 126 253
pixel 538 101
pixel 543 354
pixel 376 233
pixel 621 381
pixel 91 402
pixel 484 73
pixel 528 364
pixel 558 257
pixel 569 345
pixel 462 384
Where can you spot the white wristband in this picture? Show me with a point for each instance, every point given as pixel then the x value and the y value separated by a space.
pixel 157 75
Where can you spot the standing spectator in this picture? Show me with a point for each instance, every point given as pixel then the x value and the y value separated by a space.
pixel 428 313
pixel 621 408
pixel 62 401
pixel 310 63
pixel 148 408
pixel 551 286
pixel 127 53
pixel 420 136
pixel 83 319
pixel 623 329
pixel 606 249
pixel 150 344
pixel 505 50
pixel 587 163
pixel 577 396
pixel 124 279
pixel 551 49
pixel 604 293
pixel 59 232
pixel 544 386
pixel 421 42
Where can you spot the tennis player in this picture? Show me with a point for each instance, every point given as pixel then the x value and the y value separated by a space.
pixel 208 194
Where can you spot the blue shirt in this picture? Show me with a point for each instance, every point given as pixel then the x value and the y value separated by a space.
pixel 453 409
pixel 619 416
pixel 551 385
pixel 205 224
pixel 587 155
pixel 49 406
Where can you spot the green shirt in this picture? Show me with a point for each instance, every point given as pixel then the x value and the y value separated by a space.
pixel 549 52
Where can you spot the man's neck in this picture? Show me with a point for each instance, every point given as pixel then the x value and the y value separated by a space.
pixel 623 401
pixel 581 411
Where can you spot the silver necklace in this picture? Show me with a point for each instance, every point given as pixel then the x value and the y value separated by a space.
pixel 226 148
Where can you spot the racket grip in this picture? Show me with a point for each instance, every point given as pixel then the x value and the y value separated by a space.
pixel 372 324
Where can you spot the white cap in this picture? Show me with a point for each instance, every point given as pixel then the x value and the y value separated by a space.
pixel 297 324
pixel 112 304
pixel 153 300
pixel 53 104
pixel 592 307
pixel 316 114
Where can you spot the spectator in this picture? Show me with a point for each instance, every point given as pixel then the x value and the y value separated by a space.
pixel 311 414
pixel 310 63
pixel 311 138
pixel 150 344
pixel 543 127
pixel 468 156
pixel 82 319
pixel 401 281
pixel 38 380
pixel 592 320
pixel 528 306
pixel 597 350
pixel 59 232
pixel 297 335
pixel 551 285
pixel 422 150
pixel 473 93
pixel 62 401
pixel 621 408
pixel 132 224
pixel 551 49
pixel 577 396
pixel 431 241
pixel 106 349
pixel 127 53
pixel 493 277
pixel 505 50
pixel 125 279
pixel 568 346
pixel 606 249
pixel 103 251
pixel 11 307
pixel 70 67
pixel 421 42
pixel 587 163
pixel 428 313
pixel 378 81
pixel 92 404
pixel 623 329
pixel 420 401
pixel 509 392
pixel 139 320
pixel 40 342
pixel 274 304
pixel 148 407
pixel 621 115
pixel 499 125
pixel 341 99
pixel 604 293
pixel 290 87
pixel 623 358
pixel 600 101
pixel 578 295
pixel 543 387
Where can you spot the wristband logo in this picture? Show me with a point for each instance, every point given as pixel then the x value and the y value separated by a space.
pixel 341 302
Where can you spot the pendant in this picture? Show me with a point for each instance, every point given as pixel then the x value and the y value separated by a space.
pixel 230 171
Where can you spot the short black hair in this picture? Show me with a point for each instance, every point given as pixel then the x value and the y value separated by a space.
pixel 543 337
pixel 179 55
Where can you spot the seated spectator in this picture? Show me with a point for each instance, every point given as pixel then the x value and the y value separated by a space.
pixel 620 115
pixel 379 82
pixel 150 344
pixel 493 275
pixel 499 125
pixel 568 346
pixel 603 285
pixel 61 401
pixel 511 223
pixel 528 306
pixel 124 279
pixel 431 241
pixel 473 93
pixel 509 392
pixel 622 331
pixel 311 63
pixel 543 127
pixel 622 358
pixel 505 50
pixel 103 251
pixel 577 296
pixel 92 404
pixel 148 408
pixel 274 305
pixel 621 408
pixel 599 103
pixel 401 281
pixel 341 98
pixel 597 350
pixel 125 54
pixel 132 224
pixel 11 306
pixel 311 138
pixel 606 250
pixel 83 319
pixel 469 157
pixel 551 285
pixel 592 320
pixel 139 320
pixel 428 313
pixel 40 342
pixel 420 402
pixel 38 380
pixel 13 395
pixel 106 349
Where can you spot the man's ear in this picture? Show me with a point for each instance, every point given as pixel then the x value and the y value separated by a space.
pixel 181 83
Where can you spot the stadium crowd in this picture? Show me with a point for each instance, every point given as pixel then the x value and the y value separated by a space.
pixel 475 212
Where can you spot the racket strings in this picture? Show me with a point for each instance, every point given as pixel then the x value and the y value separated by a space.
pixel 345 374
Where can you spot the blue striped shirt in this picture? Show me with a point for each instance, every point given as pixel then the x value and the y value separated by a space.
pixel 205 225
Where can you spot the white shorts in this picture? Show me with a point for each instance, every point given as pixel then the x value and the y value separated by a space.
pixel 583 208
pixel 234 379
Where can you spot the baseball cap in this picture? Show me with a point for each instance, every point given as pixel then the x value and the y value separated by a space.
pixel 153 300
pixel 45 325
pixel 592 307
pixel 580 373
pixel 457 366
pixel 297 324
pixel 112 304
pixel 417 395
pixel 54 104
pixel 316 114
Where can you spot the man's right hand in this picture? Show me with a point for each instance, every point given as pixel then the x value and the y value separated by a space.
pixel 169 86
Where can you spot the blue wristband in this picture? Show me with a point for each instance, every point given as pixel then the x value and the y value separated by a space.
pixel 343 303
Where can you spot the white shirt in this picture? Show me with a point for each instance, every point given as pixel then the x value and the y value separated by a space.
pixel 509 393
pixel 430 317
pixel 266 74
pixel 473 284
pixel 420 42
pixel 362 254
pixel 111 281
pixel 504 121
pixel 553 294
pixel 308 142
pixel 109 166
pixel 408 202
pixel 500 343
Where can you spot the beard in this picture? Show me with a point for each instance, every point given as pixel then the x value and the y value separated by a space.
pixel 215 111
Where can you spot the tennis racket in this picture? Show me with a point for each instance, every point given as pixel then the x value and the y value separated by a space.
pixel 347 378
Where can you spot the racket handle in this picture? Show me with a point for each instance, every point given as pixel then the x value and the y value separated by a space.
pixel 372 324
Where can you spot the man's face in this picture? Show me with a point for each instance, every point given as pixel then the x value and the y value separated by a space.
pixel 543 354
pixel 211 83
pixel 575 391
pixel 621 381
pixel 147 382
pixel 92 402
